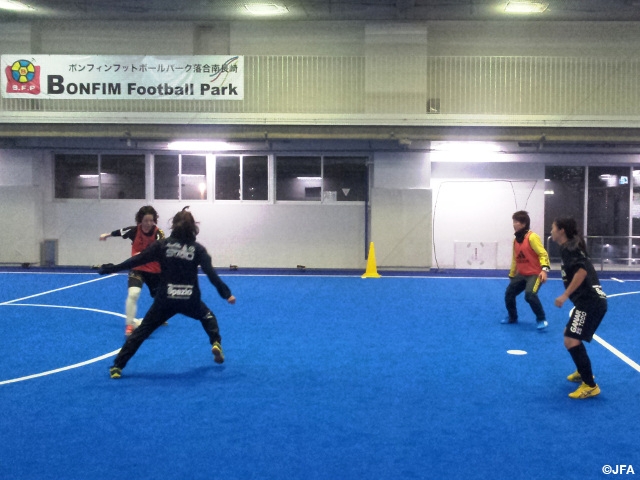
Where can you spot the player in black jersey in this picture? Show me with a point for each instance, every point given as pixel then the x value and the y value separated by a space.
pixel 178 292
pixel 583 288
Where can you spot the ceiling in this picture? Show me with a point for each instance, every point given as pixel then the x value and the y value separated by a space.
pixel 321 10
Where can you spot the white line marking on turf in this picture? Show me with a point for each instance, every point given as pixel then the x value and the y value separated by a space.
pixel 56 290
pixel 115 314
pixel 613 349
pixel 69 367
pixel 617 280
pixel 621 294
pixel 617 353
pixel 57 370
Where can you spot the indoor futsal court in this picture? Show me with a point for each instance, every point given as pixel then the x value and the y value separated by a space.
pixel 326 377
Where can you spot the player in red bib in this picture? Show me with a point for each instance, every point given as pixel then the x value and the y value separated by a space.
pixel 529 267
pixel 143 234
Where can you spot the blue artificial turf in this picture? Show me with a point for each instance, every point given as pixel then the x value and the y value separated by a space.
pixel 325 378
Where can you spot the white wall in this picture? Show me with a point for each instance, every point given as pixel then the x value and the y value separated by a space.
pixel 297 38
pixel 527 38
pixel 16 168
pixel 21 218
pixel 258 236
pixel 473 202
pixel 468 202
pixel 504 38
pixel 401 209
pixel 21 208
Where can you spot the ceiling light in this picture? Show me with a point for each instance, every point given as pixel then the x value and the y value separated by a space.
pixel 525 7
pixel 265 8
pixel 14 5
pixel 465 147
pixel 199 146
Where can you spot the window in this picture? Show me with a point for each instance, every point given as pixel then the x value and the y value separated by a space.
pixel 330 179
pixel 345 179
pixel 255 178
pixel 635 207
pixel 180 177
pixel 122 176
pixel 92 176
pixel 166 179
pixel 252 172
pixel 564 197
pixel 193 177
pixel 228 178
pixel 76 176
pixel 608 214
pixel 298 178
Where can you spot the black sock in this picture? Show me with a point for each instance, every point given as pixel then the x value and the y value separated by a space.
pixel 583 363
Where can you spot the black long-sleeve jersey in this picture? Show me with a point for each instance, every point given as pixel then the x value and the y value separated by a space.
pixel 574 259
pixel 179 263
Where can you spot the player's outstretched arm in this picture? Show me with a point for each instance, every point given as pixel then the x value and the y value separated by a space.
pixel 107 268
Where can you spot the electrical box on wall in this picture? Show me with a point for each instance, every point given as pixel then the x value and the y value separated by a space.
pixel 49 253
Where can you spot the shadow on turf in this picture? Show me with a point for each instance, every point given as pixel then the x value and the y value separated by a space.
pixel 199 374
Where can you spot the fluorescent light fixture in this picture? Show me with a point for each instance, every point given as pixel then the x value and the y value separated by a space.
pixel 468 152
pixel 92 175
pixel 265 9
pixel 525 7
pixel 465 147
pixel 309 178
pixel 15 6
pixel 548 192
pixel 199 146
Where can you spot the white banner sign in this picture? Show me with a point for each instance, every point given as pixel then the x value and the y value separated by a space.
pixel 123 77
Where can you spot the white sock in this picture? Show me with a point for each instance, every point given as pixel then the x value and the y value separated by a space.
pixel 131 306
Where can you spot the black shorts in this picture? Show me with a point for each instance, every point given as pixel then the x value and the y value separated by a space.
pixel 583 322
pixel 137 278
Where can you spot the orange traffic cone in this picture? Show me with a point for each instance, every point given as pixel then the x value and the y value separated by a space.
pixel 372 270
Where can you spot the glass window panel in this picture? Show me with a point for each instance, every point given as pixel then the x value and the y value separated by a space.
pixel 635 215
pixel 166 180
pixel 228 178
pixel 255 178
pixel 564 197
pixel 608 213
pixel 298 178
pixel 345 179
pixel 122 176
pixel 76 176
pixel 194 177
pixel 635 207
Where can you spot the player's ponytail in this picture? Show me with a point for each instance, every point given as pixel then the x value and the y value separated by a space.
pixel 570 227
pixel 183 226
